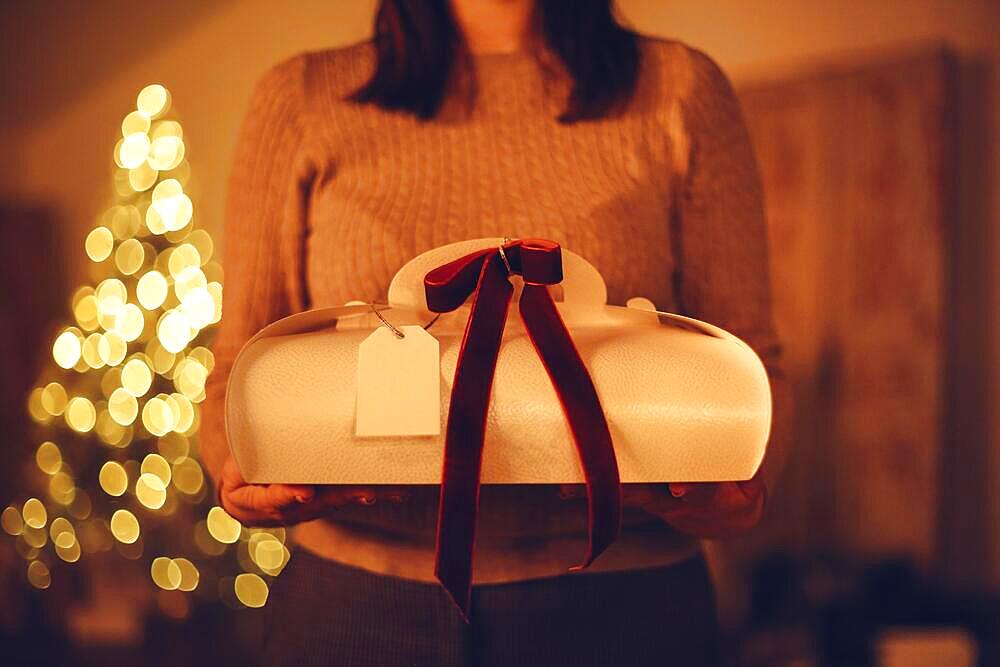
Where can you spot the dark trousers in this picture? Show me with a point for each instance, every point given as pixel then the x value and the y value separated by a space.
pixel 324 613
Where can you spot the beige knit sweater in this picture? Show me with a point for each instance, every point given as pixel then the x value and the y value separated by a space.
pixel 328 199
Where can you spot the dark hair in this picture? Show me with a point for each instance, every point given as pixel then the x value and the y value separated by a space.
pixel 417 43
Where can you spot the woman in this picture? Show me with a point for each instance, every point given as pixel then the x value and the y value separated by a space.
pixel 476 118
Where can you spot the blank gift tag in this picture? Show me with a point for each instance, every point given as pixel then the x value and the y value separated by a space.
pixel 398 384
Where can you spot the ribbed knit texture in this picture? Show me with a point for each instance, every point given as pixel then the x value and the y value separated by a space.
pixel 322 613
pixel 328 199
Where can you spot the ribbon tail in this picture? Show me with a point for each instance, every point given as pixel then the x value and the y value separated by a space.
pixel 470 395
pixel 582 407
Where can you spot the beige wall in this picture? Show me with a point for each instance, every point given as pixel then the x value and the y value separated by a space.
pixel 76 67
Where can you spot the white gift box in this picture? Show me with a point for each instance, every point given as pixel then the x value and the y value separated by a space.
pixel 684 400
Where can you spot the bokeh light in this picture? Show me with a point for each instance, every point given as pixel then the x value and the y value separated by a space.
pixel 250 589
pixel 190 377
pixel 153 101
pixel 268 552
pixel 135 122
pixel 189 574
pixel 62 489
pixel 111 346
pixel 166 153
pixel 69 552
pixel 133 150
pixel 99 244
pixel 129 322
pixel 123 406
pixel 85 312
pixel 223 527
pixel 150 491
pixel 124 526
pixel 34 513
pixel 48 457
pixel 38 574
pixel 136 377
pixel 171 208
pixel 54 398
pixel 62 532
pixel 188 476
pixel 113 478
pixel 152 290
pixel 174 331
pixel 185 411
pixel 156 465
pixel 67 349
pixel 165 572
pixel 157 417
pixel 80 414
pixel 11 520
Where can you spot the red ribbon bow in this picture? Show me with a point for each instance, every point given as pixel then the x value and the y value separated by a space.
pixel 485 273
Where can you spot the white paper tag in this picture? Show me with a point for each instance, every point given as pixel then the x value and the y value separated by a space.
pixel 399 381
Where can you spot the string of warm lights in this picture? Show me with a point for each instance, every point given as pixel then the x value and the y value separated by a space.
pixel 118 467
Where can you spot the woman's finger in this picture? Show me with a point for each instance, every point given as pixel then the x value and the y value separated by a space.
pixel 642 495
pixel 337 496
pixel 679 489
pixel 721 499
pixel 567 491
pixel 267 497
pixel 658 501
pixel 394 494
pixel 633 494
pixel 260 495
pixel 694 492
pixel 724 518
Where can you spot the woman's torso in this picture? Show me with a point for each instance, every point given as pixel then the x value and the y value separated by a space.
pixel 386 187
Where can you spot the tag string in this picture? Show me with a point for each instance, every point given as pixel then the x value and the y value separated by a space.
pixel 392 327
pixel 399 332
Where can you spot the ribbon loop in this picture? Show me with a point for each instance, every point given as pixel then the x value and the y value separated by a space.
pixel 449 285
pixel 540 261
pixel 483 274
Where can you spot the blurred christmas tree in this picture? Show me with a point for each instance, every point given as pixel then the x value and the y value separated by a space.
pixel 115 463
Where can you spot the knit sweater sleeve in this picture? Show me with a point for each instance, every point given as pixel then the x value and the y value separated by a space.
pixel 264 230
pixel 723 271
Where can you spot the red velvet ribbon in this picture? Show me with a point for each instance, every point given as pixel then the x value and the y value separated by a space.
pixel 484 274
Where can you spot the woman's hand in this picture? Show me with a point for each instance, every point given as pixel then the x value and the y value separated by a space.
pixel 702 509
pixel 287 504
